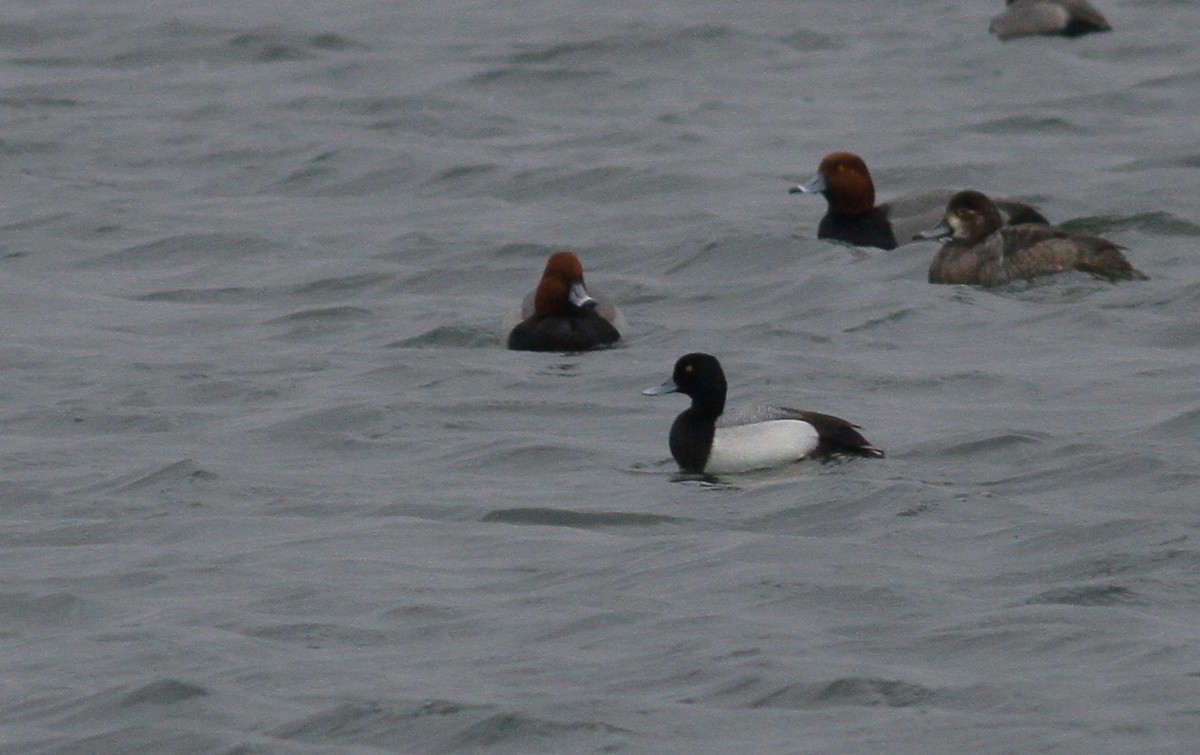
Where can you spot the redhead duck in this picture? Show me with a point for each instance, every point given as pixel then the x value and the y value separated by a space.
pixel 707 439
pixel 981 251
pixel 854 217
pixel 560 315
pixel 1064 18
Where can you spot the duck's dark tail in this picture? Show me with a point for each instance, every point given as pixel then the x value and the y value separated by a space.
pixel 837 436
pixel 1107 260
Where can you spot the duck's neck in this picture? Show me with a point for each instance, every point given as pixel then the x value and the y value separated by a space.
pixel 708 407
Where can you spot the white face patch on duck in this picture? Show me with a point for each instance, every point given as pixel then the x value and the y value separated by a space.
pixel 963 222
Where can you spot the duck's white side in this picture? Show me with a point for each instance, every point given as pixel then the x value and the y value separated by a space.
pixel 741 448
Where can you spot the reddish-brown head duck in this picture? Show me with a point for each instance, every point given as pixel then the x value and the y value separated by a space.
pixel 561 315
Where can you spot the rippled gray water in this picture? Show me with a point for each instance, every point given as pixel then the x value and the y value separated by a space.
pixel 269 484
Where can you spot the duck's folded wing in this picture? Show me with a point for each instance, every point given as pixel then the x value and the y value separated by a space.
pixel 1015 213
pixel 1031 250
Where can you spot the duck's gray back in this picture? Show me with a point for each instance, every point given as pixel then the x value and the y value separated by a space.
pixel 748 415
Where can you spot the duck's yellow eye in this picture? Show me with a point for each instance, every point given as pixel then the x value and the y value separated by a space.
pixel 688 368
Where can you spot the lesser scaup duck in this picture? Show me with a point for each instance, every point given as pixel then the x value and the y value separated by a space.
pixel 560 315
pixel 707 439
pixel 854 217
pixel 984 252
pixel 1065 18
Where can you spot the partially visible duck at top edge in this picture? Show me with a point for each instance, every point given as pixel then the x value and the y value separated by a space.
pixel 561 315
pixel 853 216
pixel 1064 18
pixel 705 439
pixel 983 252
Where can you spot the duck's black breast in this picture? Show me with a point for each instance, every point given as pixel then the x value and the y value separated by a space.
pixel 868 229
pixel 580 332
pixel 691 440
